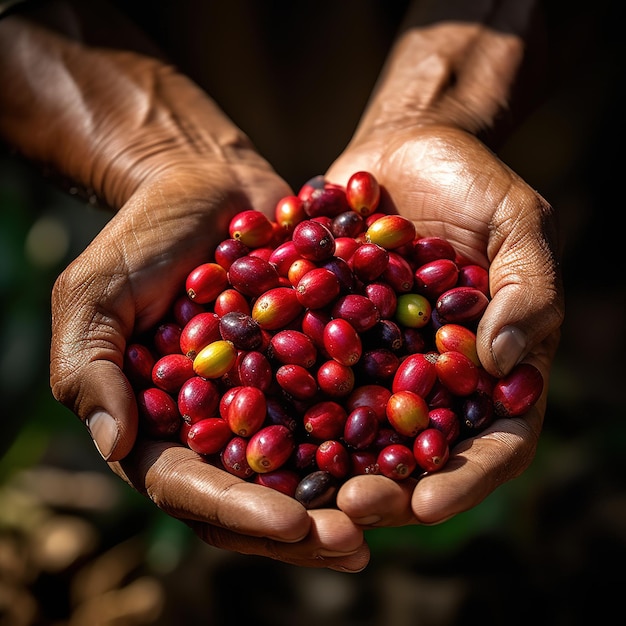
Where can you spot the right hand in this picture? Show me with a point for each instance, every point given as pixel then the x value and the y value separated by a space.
pixel 123 283
pixel 160 154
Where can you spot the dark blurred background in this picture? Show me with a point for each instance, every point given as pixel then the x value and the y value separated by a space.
pixel 78 547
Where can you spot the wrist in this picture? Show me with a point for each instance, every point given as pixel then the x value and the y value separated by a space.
pixel 457 64
pixel 102 119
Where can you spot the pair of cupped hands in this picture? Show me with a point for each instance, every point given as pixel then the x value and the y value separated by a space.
pixel 174 192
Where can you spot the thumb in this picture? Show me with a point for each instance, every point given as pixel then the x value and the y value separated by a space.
pixel 86 358
pixel 527 303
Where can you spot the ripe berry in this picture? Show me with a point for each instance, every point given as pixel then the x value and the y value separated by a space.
pixel 431 449
pixel 514 394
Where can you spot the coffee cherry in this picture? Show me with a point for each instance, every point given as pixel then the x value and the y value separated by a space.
pixel 427 249
pixel 345 247
pixel 461 305
pixel 214 360
pixel 317 288
pixel 332 456
pixel 447 421
pixel 252 275
pixel 396 461
pixel 228 251
pixel 289 211
pixel 313 323
pixel 360 428
pixel 276 308
pixel 363 193
pixel 297 381
pixel 198 399
pixel 364 462
pixel 313 240
pixel 457 338
pixel 517 392
pixel 457 373
pixel 205 282
pixel 231 301
pixel 184 309
pixel 335 379
pixel 342 342
pixel 138 364
pixel 325 420
pixel 431 449
pixel 252 228
pixel 246 411
pixel 317 490
pixel 474 276
pixel 416 373
pixel 171 371
pixel 369 261
pixel 435 277
pixel 373 396
pixel 283 257
pixel 407 413
pixel 201 330
pixel 358 310
pixel 233 457
pixel 293 347
pixel 282 479
pixel 378 365
pixel 158 413
pixel 384 298
pixel 328 201
pixel 413 310
pixel 391 231
pixel 398 273
pixel 269 448
pixel 209 436
pixel 315 182
pixel 476 413
pixel 347 224
pixel 340 268
pixel 167 338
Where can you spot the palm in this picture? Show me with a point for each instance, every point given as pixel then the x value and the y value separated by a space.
pixel 445 180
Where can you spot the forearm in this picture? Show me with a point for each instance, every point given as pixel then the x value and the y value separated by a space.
pixel 101 116
pixel 459 63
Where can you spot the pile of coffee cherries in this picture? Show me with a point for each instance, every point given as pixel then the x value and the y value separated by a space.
pixel 329 342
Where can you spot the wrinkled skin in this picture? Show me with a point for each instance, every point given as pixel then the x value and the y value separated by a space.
pixel 174 170
pixel 451 185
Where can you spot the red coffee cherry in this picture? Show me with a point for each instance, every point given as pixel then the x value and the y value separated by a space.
pixel 252 228
pixel 363 193
pixel 431 449
pixel 206 282
pixel 396 461
pixel 517 392
pixel 269 448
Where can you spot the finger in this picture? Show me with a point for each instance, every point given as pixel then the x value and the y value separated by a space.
pixel 181 483
pixel 333 542
pixel 86 356
pixel 476 468
pixel 376 500
pixel 527 295
pixel 232 514
pixel 479 465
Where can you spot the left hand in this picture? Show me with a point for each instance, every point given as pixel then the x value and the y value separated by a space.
pixel 451 185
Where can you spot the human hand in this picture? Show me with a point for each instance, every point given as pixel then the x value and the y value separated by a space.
pixel 435 170
pixel 122 284
pixel 157 151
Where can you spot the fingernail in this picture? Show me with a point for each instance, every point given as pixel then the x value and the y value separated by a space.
pixel 508 348
pixel 104 432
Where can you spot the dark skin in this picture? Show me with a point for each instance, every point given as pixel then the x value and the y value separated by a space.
pixel 174 169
